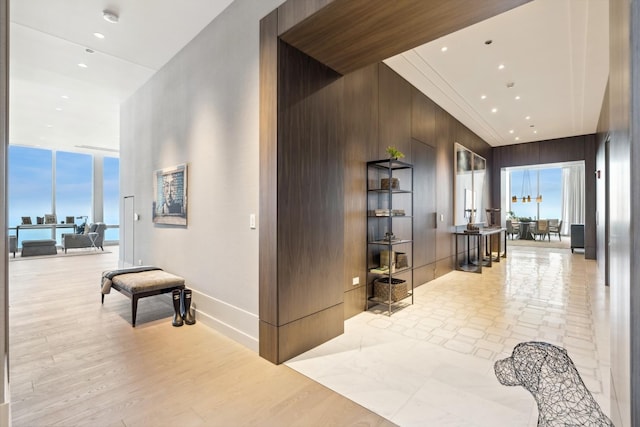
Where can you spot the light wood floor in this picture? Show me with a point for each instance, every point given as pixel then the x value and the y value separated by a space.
pixel 75 362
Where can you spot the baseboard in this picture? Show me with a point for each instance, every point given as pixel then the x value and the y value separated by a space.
pixel 233 322
pixel 5 415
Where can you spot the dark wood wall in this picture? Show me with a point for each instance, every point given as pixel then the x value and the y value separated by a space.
pixel 554 151
pixel 318 130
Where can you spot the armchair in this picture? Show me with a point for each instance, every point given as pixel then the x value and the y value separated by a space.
pixel 513 228
pixel 554 227
pixel 70 241
pixel 542 229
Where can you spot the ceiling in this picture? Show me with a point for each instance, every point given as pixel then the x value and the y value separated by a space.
pixel 55 103
pixel 555 52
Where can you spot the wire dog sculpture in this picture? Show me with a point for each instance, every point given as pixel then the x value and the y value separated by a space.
pixel 547 372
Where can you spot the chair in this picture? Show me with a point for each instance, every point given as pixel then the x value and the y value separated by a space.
pixel 71 241
pixel 541 229
pixel 554 227
pixel 513 228
pixel 13 245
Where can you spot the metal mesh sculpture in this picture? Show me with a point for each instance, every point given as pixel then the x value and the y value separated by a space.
pixel 547 372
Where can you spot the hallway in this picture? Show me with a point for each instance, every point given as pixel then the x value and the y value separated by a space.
pixel 431 363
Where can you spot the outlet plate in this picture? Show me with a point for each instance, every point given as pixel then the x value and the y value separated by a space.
pixel 355 281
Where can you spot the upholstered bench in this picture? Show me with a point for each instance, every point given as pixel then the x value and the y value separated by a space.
pixel 39 247
pixel 139 282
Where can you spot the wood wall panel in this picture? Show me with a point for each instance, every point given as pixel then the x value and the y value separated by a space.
pixel 360 145
pixel 444 178
pixel 424 274
pixel 310 187
pixel 574 148
pixel 355 300
pixel 357 33
pixel 424 205
pixel 394 121
pixel 295 337
pixel 268 275
pixel 294 12
pixel 590 246
pixel 268 343
pixel 423 118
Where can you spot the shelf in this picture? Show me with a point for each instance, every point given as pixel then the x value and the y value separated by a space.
pixel 397 271
pixel 389 164
pixel 383 301
pixel 390 188
pixel 393 242
pixel 383 191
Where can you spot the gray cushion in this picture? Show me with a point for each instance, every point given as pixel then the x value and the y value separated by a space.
pixel 147 281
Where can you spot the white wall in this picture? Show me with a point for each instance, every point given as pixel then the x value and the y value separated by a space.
pixel 202 109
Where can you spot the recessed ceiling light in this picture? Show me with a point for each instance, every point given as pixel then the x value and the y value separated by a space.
pixel 82 65
pixel 98 35
pixel 517 138
pixel 444 49
pixel 501 67
pixel 110 16
pixel 535 131
pixel 49 126
pixel 58 109
pixel 488 42
pixel 517 97
pixel 89 50
pixel 511 131
pixel 483 97
pixel 494 110
pixel 64 97
pixel 528 118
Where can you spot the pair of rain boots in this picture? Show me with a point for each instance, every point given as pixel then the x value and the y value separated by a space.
pixel 182 308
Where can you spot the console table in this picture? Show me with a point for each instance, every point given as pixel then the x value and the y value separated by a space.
pixel 40 226
pixel 483 242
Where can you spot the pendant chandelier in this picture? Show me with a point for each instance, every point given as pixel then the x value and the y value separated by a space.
pixel 526 189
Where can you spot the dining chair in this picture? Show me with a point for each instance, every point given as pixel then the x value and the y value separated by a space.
pixel 554 227
pixel 542 229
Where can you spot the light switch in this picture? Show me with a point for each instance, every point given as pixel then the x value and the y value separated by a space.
pixel 355 281
pixel 441 217
pixel 252 221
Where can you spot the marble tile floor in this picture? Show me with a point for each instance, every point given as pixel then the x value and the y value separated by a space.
pixel 431 363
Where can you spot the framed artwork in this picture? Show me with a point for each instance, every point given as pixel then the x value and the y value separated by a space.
pixel 170 195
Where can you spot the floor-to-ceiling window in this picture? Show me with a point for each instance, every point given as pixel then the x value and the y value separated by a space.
pixel 30 190
pixel 546 192
pixel 43 181
pixel 111 197
pixel 74 188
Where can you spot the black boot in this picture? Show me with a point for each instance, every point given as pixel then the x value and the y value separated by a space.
pixel 177 315
pixel 188 316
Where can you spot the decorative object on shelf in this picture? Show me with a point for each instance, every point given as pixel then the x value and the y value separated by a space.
pixel 388 260
pixel 389 237
pixel 548 373
pixel 26 220
pixel 70 220
pixel 170 195
pixel 39 220
pixel 401 260
pixel 394 153
pixel 389 289
pixel 395 183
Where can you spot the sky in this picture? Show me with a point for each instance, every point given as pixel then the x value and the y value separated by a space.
pixel 30 185
pixel 550 189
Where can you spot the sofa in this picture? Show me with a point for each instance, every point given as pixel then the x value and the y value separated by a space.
pixel 73 241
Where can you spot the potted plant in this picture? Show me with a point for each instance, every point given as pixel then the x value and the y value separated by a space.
pixel 394 153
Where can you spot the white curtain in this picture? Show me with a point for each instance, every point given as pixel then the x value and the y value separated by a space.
pixel 572 196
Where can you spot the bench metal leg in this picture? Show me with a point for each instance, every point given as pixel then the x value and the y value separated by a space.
pixel 134 309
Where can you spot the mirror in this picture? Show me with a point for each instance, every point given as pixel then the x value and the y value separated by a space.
pixel 469 185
